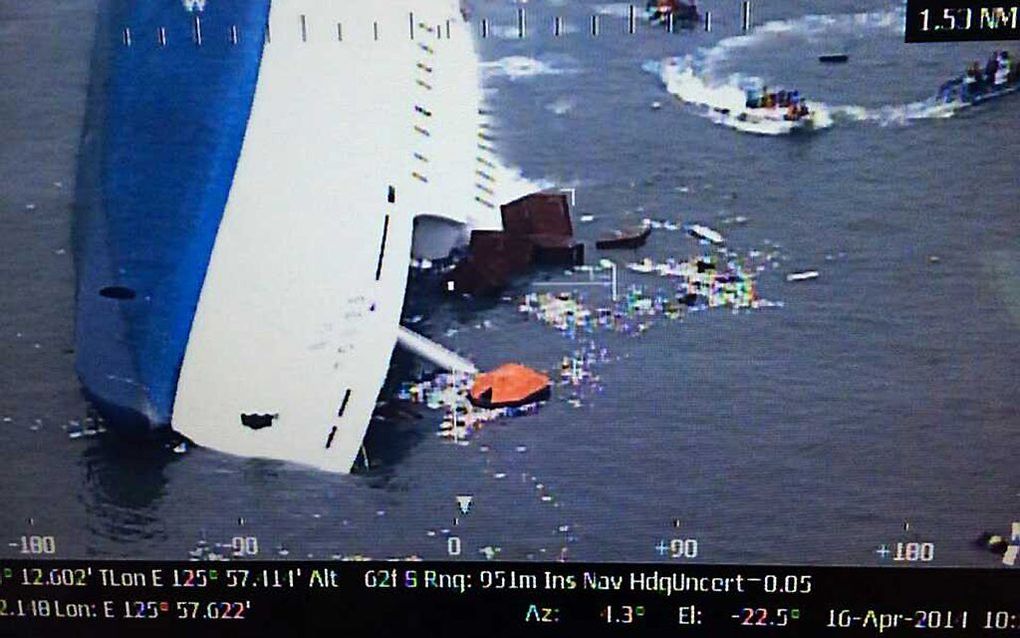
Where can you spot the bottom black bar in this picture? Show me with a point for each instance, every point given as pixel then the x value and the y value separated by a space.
pixel 500 599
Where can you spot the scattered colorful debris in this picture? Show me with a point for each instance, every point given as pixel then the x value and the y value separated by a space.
pixel 450 392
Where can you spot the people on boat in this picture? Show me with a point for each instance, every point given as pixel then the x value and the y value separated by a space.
pixel 972 79
pixel 790 101
pixel 991 68
pixel 1002 69
pixel 660 10
pixel 998 71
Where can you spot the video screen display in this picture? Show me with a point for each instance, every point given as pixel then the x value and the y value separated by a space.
pixel 550 281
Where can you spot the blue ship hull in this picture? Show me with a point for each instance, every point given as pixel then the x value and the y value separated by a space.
pixel 161 142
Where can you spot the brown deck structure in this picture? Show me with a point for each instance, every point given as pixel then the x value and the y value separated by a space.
pixel 536 231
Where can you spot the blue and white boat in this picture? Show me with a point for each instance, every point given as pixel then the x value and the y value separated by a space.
pixel 251 176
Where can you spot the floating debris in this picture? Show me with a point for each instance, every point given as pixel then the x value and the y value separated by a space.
pixel 701 282
pixel 656 105
pixel 705 233
pixel 450 393
pixel 585 219
pixel 802 276
pixel 181 447
pixel 627 238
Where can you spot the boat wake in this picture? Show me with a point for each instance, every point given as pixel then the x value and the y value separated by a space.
pixel 518 67
pixel 697 80
pixel 615 9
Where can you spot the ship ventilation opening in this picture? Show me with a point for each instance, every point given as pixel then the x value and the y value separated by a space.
pixel 436 237
pixel 258 421
pixel 117 292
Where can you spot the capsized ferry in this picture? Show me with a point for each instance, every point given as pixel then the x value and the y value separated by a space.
pixel 254 178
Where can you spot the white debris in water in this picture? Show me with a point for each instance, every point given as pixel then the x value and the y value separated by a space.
pixel 704 232
pixel 29 206
pixel 181 448
pixel 499 475
pixel 587 218
pixel 522 448
pixel 449 393
pixel 802 276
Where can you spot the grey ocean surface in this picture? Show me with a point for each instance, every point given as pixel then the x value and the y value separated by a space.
pixel 881 393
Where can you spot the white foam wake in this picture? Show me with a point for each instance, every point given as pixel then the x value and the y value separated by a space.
pixel 724 101
pixel 616 9
pixel 517 67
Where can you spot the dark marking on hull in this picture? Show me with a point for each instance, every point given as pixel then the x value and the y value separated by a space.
pixel 382 247
pixel 343 404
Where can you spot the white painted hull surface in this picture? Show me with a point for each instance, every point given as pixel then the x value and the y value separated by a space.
pixel 292 320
